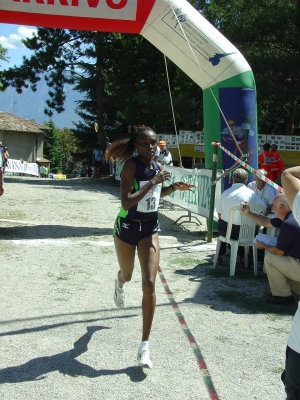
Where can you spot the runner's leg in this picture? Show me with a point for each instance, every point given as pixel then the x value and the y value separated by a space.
pixel 125 253
pixel 148 252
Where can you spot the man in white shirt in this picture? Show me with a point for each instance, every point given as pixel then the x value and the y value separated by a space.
pixel 231 197
pixel 263 190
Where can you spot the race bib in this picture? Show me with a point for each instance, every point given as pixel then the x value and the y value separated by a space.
pixel 150 201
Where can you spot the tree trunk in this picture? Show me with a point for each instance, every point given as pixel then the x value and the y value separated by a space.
pixel 290 118
pixel 100 92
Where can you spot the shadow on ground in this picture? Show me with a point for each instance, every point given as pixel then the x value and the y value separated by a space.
pixel 66 363
pixel 245 293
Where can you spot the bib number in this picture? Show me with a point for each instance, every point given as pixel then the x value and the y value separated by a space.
pixel 150 201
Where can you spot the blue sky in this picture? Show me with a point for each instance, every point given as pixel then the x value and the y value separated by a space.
pixel 10 38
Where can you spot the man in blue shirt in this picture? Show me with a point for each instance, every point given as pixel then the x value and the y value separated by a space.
pixel 283 260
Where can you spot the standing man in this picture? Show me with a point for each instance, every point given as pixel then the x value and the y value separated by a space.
pixel 42 171
pixel 264 160
pixel 98 160
pixel 1 171
pixel 165 157
pixel 282 261
pixel 277 165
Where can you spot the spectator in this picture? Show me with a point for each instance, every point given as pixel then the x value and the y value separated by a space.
pixel 267 194
pixel 1 182
pixel 291 185
pixel 165 157
pixel 282 261
pixel 89 171
pixel 231 197
pixel 291 375
pixel 5 156
pixel 98 160
pixel 264 160
pixel 107 143
pixel 264 191
pixel 1 172
pixel 83 171
pixel 42 171
pixel 46 172
pixel 277 165
pixel 112 164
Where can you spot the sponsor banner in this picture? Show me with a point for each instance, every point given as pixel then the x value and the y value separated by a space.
pixel 126 16
pixel 196 201
pixel 22 167
pixel 107 9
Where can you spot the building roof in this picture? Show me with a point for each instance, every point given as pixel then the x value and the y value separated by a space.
pixel 13 123
pixel 42 160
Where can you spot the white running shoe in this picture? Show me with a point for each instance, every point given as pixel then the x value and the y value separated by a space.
pixel 119 296
pixel 143 358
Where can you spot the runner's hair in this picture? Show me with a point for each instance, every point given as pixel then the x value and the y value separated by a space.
pixel 123 147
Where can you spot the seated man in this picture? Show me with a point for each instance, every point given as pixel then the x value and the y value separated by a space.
pixel 264 191
pixel 232 197
pixel 267 194
pixel 282 261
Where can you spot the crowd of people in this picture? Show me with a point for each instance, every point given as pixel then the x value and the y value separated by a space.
pixel 270 161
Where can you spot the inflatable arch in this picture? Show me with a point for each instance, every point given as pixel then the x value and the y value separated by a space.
pixel 185 37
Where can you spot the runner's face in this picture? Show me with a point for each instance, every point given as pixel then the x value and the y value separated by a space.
pixel 146 144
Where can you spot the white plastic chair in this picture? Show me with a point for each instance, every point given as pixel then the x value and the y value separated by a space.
pixel 246 237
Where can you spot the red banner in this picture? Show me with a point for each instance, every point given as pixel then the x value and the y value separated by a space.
pixel 124 16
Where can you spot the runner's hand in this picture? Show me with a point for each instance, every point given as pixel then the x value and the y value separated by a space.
pixel 161 177
pixel 183 186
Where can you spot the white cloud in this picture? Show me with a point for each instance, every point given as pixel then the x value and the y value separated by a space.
pixel 13 41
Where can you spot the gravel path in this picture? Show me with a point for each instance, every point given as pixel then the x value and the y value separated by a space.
pixel 61 336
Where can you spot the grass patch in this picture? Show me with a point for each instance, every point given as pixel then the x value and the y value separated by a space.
pixel 253 304
pixel 222 339
pixel 107 251
pixel 277 371
pixel 245 274
pixel 186 261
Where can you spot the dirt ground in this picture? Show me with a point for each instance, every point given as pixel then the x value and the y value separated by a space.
pixel 58 268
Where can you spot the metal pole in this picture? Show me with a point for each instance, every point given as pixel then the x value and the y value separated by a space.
pixel 210 222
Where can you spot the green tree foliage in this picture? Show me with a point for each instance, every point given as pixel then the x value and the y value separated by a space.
pixel 123 78
pixel 61 148
pixel 3 54
pixel 267 34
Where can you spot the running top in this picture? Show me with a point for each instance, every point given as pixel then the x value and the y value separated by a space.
pixel 146 208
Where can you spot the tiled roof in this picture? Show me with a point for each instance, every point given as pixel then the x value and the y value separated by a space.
pixel 11 122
